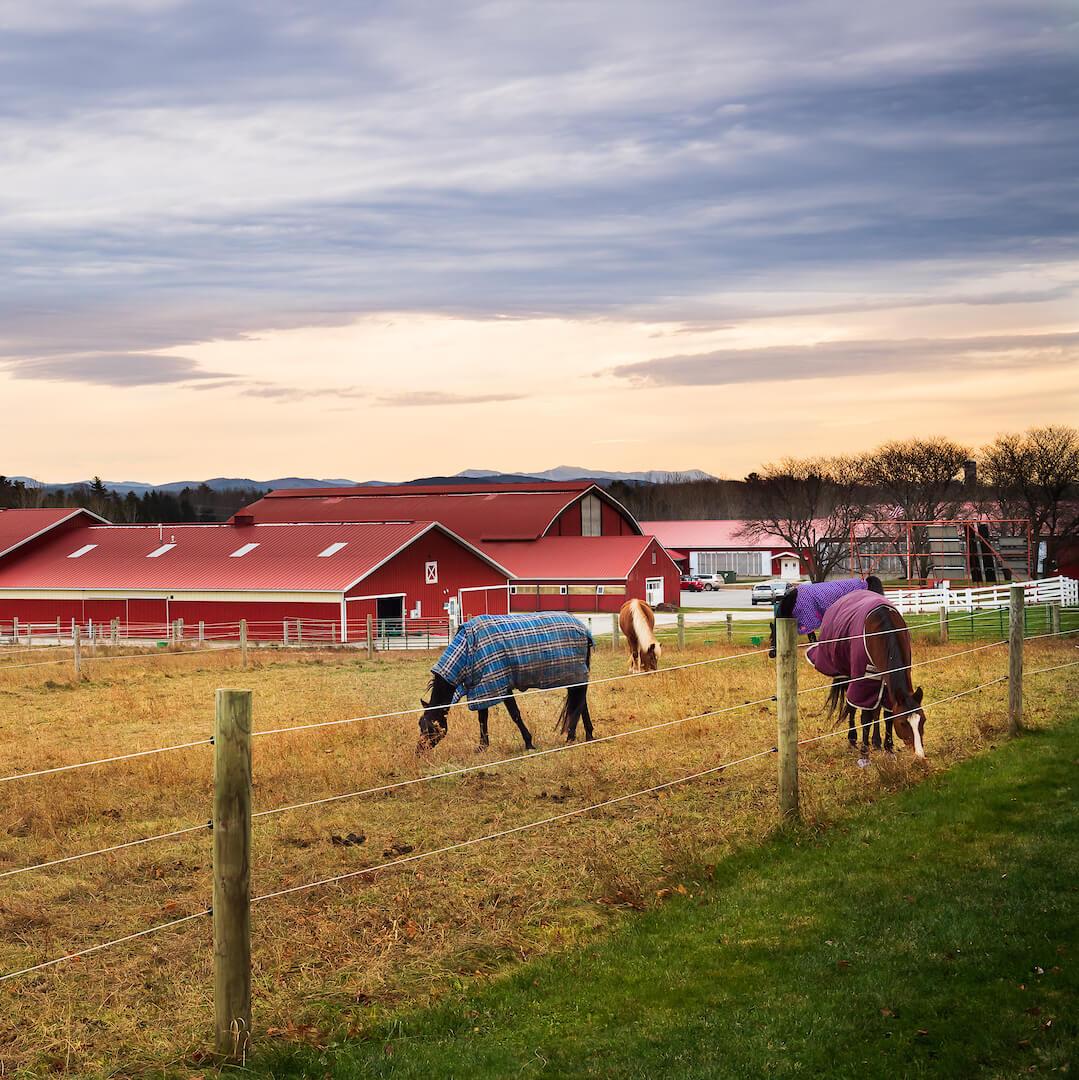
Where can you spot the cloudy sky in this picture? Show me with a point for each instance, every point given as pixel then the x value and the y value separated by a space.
pixel 390 238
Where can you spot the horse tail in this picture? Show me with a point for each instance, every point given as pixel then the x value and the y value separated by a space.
pixel 836 699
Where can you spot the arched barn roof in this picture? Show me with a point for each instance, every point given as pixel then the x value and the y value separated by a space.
pixel 481 512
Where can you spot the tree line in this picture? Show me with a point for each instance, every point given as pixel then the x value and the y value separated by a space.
pixel 811 502
pixel 192 504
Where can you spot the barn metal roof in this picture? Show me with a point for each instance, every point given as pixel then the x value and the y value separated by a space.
pixel 18 527
pixel 572 558
pixel 212 558
pixel 487 512
pixel 693 535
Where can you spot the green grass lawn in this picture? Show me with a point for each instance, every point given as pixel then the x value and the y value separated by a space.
pixel 935 933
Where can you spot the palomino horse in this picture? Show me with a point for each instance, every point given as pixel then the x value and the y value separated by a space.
pixel 865 646
pixel 808 603
pixel 637 622
pixel 493 655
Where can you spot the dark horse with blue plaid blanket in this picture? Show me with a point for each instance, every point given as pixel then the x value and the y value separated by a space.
pixel 493 655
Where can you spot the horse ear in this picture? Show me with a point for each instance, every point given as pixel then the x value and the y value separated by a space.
pixel 652 648
pixel 918 696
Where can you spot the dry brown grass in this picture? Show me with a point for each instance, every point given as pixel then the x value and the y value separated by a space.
pixel 399 936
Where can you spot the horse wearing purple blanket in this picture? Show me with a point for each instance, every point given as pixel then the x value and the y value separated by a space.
pixel 808 603
pixel 865 646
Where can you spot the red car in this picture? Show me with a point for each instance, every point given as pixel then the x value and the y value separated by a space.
pixel 692 584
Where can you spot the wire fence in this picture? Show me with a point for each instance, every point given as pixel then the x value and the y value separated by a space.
pixel 592 745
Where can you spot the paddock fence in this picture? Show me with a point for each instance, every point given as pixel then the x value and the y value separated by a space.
pixel 232 818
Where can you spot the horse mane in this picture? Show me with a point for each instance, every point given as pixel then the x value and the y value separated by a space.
pixel 646 637
pixel 786 603
pixel 897 666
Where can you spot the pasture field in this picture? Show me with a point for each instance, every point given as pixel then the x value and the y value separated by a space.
pixel 348 955
pixel 933 934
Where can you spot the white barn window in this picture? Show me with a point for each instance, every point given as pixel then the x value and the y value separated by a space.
pixel 240 552
pixel 158 552
pixel 333 549
pixel 80 552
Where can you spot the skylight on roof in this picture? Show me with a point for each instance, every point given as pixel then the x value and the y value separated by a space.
pixel 333 549
pixel 241 551
pixel 82 551
pixel 158 552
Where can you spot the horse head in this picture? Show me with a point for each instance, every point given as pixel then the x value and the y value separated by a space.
pixel 650 656
pixel 433 722
pixel 909 723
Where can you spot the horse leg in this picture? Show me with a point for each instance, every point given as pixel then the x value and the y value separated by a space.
pixel 484 742
pixel 585 716
pixel 515 715
pixel 852 731
pixel 889 746
pixel 812 635
pixel 867 721
pixel 876 729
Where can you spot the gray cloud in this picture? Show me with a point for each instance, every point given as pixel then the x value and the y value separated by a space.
pixel 187 170
pixel 727 367
pixel 110 369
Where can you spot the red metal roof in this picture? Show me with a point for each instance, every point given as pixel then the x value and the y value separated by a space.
pixel 487 512
pixel 19 526
pixel 571 558
pixel 694 535
pixel 286 558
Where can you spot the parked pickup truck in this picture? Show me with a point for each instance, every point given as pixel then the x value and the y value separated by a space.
pixel 768 592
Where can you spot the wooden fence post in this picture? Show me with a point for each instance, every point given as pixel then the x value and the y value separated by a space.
pixel 114 631
pixel 681 630
pixel 943 623
pixel 371 637
pixel 15 631
pixel 787 713
pixel 299 631
pixel 614 630
pixel 730 628
pixel 1054 618
pixel 243 643
pixel 1015 662
pixel 202 632
pixel 232 873
pixel 76 641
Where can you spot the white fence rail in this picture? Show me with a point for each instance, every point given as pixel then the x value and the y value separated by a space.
pixel 1059 590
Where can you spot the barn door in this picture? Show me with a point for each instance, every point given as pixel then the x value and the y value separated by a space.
pixel 653 591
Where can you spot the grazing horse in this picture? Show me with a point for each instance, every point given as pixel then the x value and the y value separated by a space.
pixel 493 655
pixel 865 647
pixel 808 603
pixel 637 622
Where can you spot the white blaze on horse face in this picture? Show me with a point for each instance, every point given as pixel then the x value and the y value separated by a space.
pixel 916 727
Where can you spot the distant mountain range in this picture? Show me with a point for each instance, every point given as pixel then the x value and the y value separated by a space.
pixel 223 483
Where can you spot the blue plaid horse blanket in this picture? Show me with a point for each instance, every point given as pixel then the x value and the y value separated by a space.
pixel 492 655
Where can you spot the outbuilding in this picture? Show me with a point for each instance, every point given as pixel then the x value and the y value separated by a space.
pixel 334 574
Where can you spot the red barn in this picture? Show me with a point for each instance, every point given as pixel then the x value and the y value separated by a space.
pixel 569 546
pixel 573 573
pixel 330 572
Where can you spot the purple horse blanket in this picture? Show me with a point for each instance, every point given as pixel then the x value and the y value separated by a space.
pixel 815 598
pixel 842 648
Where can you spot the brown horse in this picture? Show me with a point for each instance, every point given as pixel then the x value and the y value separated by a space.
pixel 865 646
pixel 637 622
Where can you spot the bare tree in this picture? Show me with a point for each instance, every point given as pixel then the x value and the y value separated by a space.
pixel 919 478
pixel 810 503
pixel 1035 475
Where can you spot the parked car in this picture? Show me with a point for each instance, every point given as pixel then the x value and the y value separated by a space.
pixel 692 584
pixel 710 582
pixel 768 592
